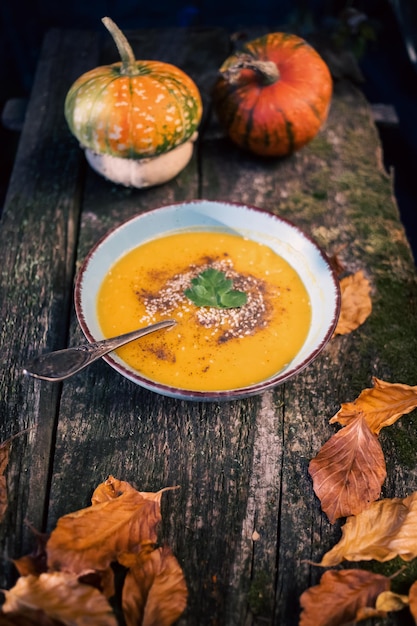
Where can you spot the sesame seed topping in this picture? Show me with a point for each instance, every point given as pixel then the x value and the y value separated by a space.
pixel 225 324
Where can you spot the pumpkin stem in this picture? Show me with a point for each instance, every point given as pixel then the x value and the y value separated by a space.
pixel 267 71
pixel 129 66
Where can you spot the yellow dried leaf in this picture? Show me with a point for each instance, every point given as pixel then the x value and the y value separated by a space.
pixel 155 592
pixel 61 597
pixel 389 601
pixel 349 471
pixel 381 405
pixel 94 537
pixel 113 488
pixel 356 303
pixel 385 530
pixel 342 597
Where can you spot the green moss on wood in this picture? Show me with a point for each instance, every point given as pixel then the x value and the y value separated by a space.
pixel 260 598
pixel 321 147
pixel 403 445
pixel 402 573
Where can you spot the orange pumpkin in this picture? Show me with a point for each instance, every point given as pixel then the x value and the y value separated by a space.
pixel 273 97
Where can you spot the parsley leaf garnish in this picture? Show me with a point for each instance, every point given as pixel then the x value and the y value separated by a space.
pixel 212 288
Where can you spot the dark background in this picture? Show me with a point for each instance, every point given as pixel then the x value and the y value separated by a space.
pixel 382 34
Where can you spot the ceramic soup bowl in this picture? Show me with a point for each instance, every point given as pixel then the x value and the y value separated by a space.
pixel 248 223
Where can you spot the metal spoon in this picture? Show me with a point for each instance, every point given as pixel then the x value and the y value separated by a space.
pixel 62 364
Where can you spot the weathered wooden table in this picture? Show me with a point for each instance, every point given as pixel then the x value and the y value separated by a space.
pixel 245 519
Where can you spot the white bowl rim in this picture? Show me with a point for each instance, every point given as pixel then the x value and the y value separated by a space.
pixel 241 392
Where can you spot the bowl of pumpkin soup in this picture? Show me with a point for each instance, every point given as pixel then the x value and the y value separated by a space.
pixel 254 298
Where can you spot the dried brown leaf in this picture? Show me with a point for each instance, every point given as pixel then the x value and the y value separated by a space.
pixel 4 460
pixel 31 617
pixel 61 597
pixel 155 592
pixel 336 264
pixel 94 537
pixel 412 598
pixel 349 471
pixel 385 530
pixel 34 563
pixel 356 303
pixel 381 405
pixel 341 597
pixel 4 455
pixel 367 612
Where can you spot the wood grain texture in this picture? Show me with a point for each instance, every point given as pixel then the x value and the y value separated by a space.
pixel 37 242
pixel 244 523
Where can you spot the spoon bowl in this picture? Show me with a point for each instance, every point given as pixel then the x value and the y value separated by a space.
pixel 61 364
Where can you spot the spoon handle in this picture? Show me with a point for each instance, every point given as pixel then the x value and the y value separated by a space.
pixel 59 365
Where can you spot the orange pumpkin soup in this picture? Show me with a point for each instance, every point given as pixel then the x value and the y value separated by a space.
pixel 209 349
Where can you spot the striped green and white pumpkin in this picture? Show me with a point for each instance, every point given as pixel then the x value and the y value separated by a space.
pixel 133 109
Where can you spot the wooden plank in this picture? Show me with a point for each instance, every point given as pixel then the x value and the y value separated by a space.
pixel 336 190
pixel 110 426
pixel 38 231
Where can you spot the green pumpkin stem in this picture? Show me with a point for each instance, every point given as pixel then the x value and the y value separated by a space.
pixel 129 66
pixel 266 71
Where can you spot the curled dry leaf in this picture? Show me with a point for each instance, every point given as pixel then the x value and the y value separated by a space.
pixel 356 303
pixel 368 612
pixel 389 601
pixel 385 530
pixel 113 488
pixel 120 525
pixel 94 537
pixel 61 597
pixel 4 460
pixel 342 597
pixel 349 471
pixel 155 592
pixel 34 563
pixel 412 598
pixel 381 405
pixel 337 265
pixel 110 489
